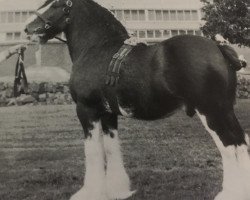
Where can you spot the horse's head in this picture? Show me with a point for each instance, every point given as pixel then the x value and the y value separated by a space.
pixel 50 19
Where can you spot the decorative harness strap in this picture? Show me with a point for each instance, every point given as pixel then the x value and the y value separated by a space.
pixel 113 72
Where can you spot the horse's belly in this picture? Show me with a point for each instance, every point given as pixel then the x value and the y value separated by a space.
pixel 149 109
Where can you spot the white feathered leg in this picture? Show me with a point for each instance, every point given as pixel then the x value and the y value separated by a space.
pixel 117 180
pixel 94 182
pixel 236 168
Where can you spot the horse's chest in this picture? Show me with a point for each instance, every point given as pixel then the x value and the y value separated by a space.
pixel 86 84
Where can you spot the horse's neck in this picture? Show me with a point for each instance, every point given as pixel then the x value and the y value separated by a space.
pixel 92 33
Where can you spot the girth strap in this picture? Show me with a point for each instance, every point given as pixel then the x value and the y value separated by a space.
pixel 113 71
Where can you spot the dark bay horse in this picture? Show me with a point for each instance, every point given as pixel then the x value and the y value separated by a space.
pixel 184 71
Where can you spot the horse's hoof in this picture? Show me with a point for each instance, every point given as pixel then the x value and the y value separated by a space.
pixel 89 195
pixel 121 195
pixel 225 195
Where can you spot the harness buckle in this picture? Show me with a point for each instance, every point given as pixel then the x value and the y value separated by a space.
pixel 69 3
pixel 47 25
pixel 67 20
pixel 66 10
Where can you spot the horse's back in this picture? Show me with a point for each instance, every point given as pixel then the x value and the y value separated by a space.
pixel 186 70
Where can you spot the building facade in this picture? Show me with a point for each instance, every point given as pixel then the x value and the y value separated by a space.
pixel 157 20
pixel 146 19
pixel 150 20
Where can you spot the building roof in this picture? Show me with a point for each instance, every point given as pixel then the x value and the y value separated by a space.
pixel 151 4
pixel 9 5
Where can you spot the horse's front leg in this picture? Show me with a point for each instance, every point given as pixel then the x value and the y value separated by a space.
pixel 117 180
pixel 94 182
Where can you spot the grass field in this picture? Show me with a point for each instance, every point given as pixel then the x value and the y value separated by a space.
pixel 42 155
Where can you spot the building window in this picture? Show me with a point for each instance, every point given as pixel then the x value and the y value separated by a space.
pixel 166 15
pixel 150 33
pixel 180 15
pixel 187 14
pixel 172 15
pixel 158 33
pixel 10 17
pixel 142 34
pixel 198 32
pixel 158 15
pixel 174 32
pixel 9 36
pixel 2 37
pixel 17 36
pixel 142 16
pixel 182 32
pixel 119 14
pixel 134 14
pixel 13 36
pixel 194 15
pixel 151 15
pixel 24 16
pixel 17 17
pixel 3 18
pixel 135 33
pixel 166 33
pixel 190 32
pixel 31 13
pixel 127 15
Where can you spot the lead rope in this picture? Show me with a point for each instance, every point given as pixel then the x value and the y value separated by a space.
pixel 60 39
pixel 20 82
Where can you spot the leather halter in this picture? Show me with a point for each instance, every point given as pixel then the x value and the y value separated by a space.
pixel 49 25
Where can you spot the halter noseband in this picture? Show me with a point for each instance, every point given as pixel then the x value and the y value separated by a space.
pixel 48 24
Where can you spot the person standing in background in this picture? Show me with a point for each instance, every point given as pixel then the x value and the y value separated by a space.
pixel 4 55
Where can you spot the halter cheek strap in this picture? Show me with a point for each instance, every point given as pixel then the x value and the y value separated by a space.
pixel 48 24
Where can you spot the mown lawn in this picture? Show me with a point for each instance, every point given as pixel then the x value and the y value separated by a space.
pixel 42 155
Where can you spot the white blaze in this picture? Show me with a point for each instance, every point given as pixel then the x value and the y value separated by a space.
pixel 41 11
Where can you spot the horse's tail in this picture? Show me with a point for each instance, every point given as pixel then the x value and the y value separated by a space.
pixel 235 61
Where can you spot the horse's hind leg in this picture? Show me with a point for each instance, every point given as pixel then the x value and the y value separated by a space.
pixel 94 181
pixel 232 143
pixel 117 180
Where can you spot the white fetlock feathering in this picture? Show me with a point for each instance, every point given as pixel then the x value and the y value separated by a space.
pixel 236 168
pixel 117 180
pixel 94 182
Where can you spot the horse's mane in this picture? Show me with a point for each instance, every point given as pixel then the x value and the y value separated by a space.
pixel 106 19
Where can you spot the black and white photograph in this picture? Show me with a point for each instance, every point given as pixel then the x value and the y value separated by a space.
pixel 124 99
